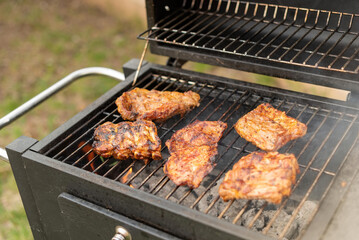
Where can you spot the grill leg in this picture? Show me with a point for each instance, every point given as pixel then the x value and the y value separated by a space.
pixel 14 151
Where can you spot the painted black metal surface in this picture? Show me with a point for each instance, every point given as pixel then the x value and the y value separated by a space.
pixel 58 163
pixel 85 220
pixel 14 151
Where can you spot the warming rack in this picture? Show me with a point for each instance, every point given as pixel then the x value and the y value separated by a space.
pixel 319 39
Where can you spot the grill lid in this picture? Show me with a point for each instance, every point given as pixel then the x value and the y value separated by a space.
pixel 303 44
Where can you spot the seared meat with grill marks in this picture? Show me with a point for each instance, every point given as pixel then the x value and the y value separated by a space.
pixel 260 175
pixel 155 105
pixel 193 150
pixel 268 128
pixel 137 140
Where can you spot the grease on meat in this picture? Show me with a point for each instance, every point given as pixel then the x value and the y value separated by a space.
pixel 155 105
pixel 269 128
pixel 260 175
pixel 193 150
pixel 125 140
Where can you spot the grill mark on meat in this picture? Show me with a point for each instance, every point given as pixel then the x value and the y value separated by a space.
pixel 268 128
pixel 155 105
pixel 260 175
pixel 193 150
pixel 125 140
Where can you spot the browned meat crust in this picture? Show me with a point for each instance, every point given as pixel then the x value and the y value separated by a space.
pixel 193 150
pixel 155 105
pixel 268 128
pixel 137 140
pixel 259 175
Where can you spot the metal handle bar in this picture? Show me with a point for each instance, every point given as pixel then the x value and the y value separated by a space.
pixel 61 84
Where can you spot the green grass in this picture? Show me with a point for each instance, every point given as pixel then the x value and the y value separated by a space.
pixel 41 42
pixel 13 221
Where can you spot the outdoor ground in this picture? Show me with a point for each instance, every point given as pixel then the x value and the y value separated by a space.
pixel 43 41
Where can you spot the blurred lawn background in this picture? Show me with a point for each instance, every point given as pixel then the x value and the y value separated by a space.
pixel 43 41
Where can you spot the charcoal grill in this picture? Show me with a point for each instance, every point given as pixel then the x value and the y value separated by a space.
pixel 70 192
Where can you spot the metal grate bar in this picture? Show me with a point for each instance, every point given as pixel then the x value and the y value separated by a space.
pixel 207 26
pixel 237 29
pixel 289 37
pixel 307 167
pixel 215 110
pixel 270 32
pixel 223 103
pixel 91 162
pixel 248 30
pixel 218 26
pixel 88 131
pixel 49 151
pixel 296 42
pixel 132 164
pixel 312 40
pixel 224 211
pixel 228 27
pixel 154 171
pixel 343 51
pixel 217 158
pixel 239 151
pixel 190 24
pixel 295 213
pixel 79 138
pixel 264 27
pixel 334 45
pixel 351 59
pixel 323 42
pixel 342 163
pixel 240 213
pixel 250 225
pixel 265 230
pixel 240 28
pixel 193 119
pixel 174 20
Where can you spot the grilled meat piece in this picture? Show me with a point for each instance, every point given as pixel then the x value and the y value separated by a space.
pixel 190 165
pixel 268 128
pixel 155 105
pixel 260 175
pixel 137 140
pixel 193 150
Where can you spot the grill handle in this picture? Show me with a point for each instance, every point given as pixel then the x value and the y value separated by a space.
pixel 122 234
pixel 61 84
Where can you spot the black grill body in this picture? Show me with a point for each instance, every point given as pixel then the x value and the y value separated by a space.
pixel 66 194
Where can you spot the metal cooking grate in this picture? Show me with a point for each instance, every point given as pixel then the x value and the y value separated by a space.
pixel 299 36
pixel 321 153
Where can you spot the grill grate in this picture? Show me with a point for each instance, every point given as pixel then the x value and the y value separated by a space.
pixel 298 36
pixel 320 153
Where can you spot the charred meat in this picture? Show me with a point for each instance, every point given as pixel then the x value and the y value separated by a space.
pixel 125 140
pixel 269 128
pixel 193 150
pixel 260 175
pixel 155 105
